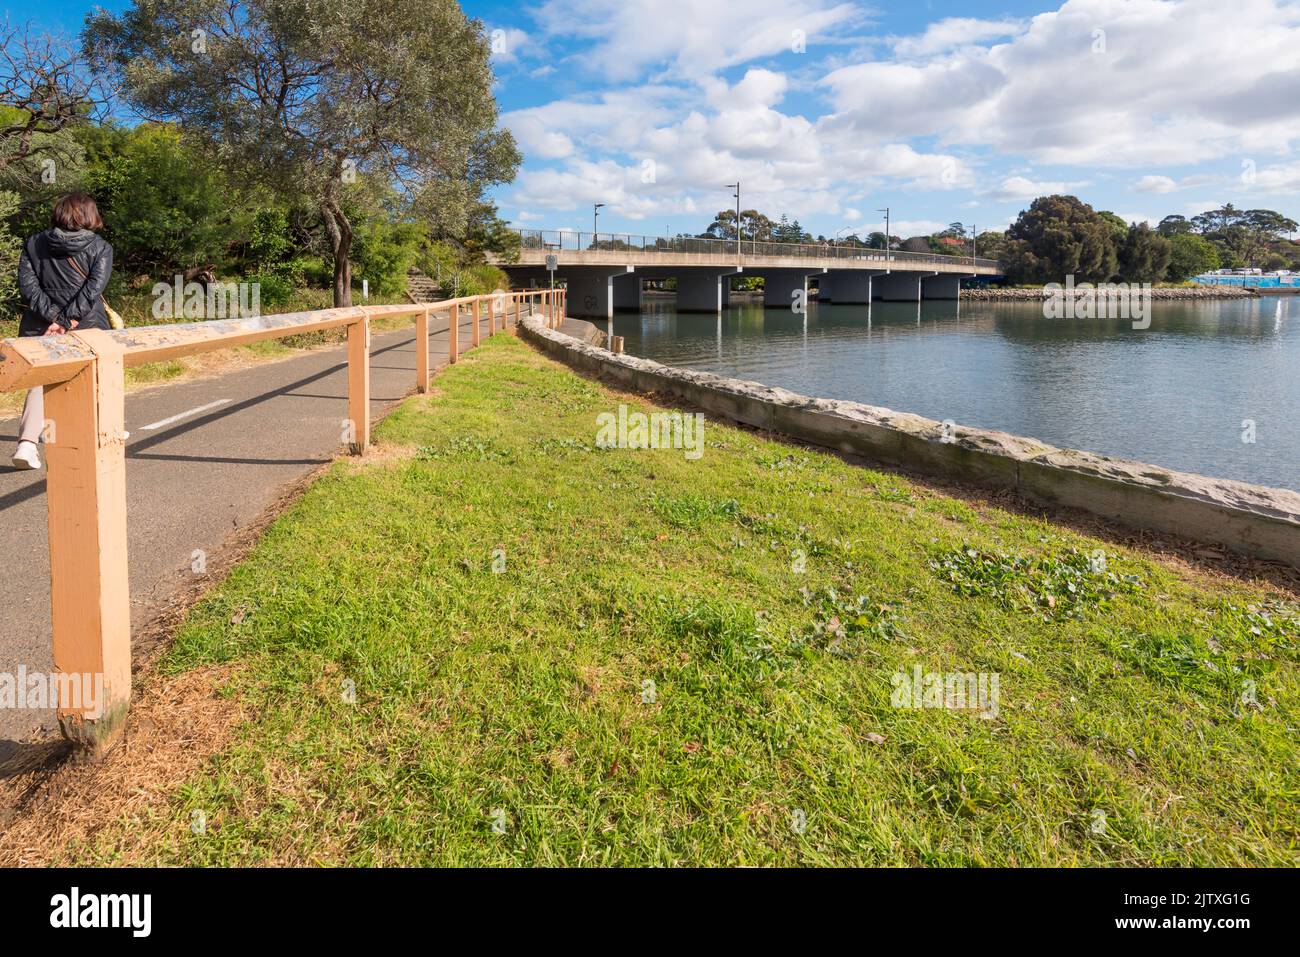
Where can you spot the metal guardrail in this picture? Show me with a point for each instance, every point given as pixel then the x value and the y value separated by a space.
pixel 83 375
pixel 557 240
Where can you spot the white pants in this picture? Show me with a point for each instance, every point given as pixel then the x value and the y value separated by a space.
pixel 33 421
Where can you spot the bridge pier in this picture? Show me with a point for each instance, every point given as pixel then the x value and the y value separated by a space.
pixel 847 286
pixel 899 287
pixel 946 286
pixel 627 293
pixel 780 286
pixel 594 292
pixel 704 291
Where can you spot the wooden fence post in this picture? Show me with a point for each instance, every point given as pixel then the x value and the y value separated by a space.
pixel 473 339
pixel 453 333
pixel 422 351
pixel 495 301
pixel 89 589
pixel 359 383
pixel 519 308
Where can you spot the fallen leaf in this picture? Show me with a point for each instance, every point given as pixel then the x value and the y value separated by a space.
pixel 875 738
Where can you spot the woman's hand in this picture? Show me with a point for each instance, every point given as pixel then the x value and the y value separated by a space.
pixel 55 329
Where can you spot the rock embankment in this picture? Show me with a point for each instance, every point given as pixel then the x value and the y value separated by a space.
pixel 1177 293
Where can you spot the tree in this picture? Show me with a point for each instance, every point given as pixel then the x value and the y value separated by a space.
pixel 990 244
pixel 1060 236
pixel 787 231
pixel 306 96
pixel 1242 236
pixel 10 249
pixel 1143 255
pixel 166 206
pixel 46 90
pixel 916 244
pixel 753 226
pixel 1175 225
pixel 1190 255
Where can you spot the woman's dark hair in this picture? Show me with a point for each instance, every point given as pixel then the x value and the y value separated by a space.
pixel 76 211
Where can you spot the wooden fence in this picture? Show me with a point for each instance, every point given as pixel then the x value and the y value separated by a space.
pixel 83 377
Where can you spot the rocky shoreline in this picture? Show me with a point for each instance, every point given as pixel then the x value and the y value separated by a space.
pixel 1178 293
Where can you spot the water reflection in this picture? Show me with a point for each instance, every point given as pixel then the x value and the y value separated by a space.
pixel 1176 394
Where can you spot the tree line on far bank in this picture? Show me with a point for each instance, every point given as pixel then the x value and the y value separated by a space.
pixel 1059 236
pixel 313 150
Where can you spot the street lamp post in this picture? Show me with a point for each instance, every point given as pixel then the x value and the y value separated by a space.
pixel 886 212
pixel 736 187
pixel 595 218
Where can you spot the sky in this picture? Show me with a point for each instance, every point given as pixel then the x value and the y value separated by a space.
pixel 829 111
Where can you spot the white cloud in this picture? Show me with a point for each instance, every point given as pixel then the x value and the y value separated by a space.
pixel 1131 218
pixel 1279 180
pixel 1155 184
pixel 783 161
pixel 954 32
pixel 1176 82
pixel 507 44
pixel 1017 188
pixel 693 38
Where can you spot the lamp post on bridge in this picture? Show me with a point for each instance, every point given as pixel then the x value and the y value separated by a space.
pixel 886 212
pixel 736 187
pixel 595 219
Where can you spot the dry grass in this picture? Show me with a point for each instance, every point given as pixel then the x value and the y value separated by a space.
pixel 176 723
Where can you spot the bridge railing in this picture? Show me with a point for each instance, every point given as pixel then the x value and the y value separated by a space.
pixel 559 240
pixel 82 373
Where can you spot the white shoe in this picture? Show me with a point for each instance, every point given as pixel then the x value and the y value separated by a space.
pixel 27 456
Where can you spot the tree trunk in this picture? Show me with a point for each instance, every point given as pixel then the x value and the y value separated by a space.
pixel 340 233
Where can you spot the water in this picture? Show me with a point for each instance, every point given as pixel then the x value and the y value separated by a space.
pixel 1176 394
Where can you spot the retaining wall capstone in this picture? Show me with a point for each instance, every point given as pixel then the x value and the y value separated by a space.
pixel 1250 519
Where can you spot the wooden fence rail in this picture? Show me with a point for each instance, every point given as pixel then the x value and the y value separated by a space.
pixel 83 377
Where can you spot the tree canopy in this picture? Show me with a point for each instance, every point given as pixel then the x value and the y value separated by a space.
pixel 306 96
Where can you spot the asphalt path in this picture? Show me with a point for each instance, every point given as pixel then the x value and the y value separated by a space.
pixel 205 458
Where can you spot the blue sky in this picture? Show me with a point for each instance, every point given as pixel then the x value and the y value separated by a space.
pixel 943 111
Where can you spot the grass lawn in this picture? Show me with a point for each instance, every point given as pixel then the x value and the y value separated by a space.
pixel 692 662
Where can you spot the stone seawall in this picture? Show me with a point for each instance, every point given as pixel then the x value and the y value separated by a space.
pixel 1251 519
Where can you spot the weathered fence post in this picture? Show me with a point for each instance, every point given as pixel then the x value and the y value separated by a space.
pixel 89 590
pixel 359 382
pixel 478 317
pixel 519 308
pixel 492 313
pixel 453 333
pixel 422 351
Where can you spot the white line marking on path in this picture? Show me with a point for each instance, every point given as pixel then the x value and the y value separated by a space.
pixel 183 415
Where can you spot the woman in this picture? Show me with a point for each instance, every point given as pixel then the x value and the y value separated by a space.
pixel 62 275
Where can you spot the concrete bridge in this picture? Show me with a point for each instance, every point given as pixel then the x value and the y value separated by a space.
pixel 606 272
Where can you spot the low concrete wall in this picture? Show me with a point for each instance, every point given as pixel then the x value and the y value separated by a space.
pixel 1251 519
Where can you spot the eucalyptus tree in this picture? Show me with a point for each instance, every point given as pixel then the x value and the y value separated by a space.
pixel 306 96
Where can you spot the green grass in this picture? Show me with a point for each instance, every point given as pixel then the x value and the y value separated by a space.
pixel 690 662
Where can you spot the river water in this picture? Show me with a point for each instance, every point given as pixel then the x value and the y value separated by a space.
pixel 1182 393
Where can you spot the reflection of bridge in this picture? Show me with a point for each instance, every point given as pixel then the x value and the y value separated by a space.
pixel 606 271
